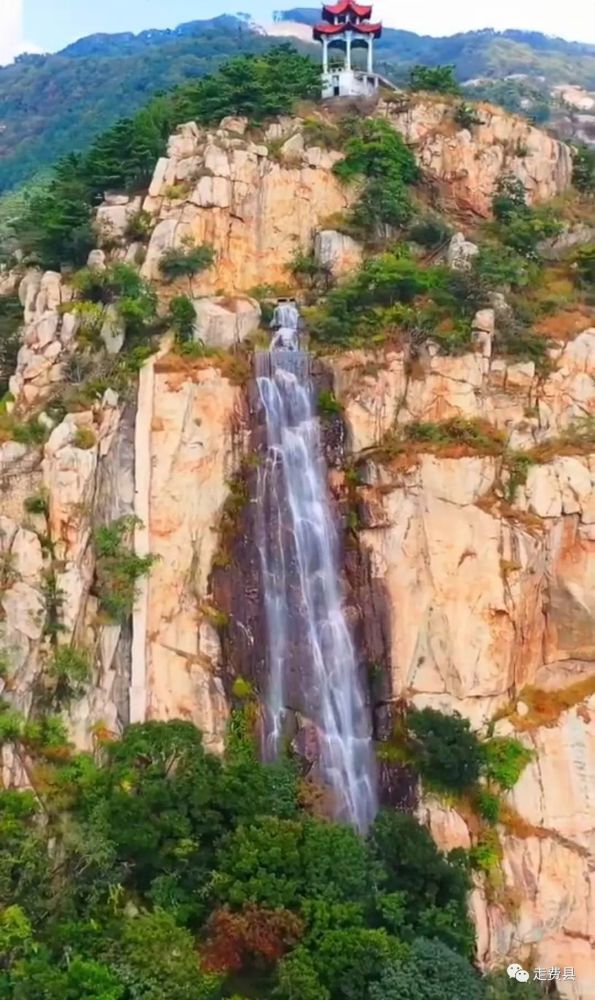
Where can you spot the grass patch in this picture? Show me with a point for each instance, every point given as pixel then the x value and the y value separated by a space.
pixel 454 438
pixel 84 438
pixel 546 707
pixel 578 439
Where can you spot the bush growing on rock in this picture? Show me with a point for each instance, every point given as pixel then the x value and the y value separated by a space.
pixel 11 317
pixel 378 153
pixel 583 168
pixel 447 753
pixel 186 261
pixel 118 568
pixel 438 79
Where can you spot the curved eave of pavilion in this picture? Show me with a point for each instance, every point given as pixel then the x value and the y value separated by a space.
pixel 330 11
pixel 336 30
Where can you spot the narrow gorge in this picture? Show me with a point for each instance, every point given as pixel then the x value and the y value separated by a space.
pixel 327 542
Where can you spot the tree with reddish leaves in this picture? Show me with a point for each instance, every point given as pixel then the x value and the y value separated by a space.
pixel 253 936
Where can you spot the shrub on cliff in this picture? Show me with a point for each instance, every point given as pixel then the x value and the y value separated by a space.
pixel 118 568
pixel 522 227
pixel 583 168
pixel 437 79
pixel 447 752
pixel 585 263
pixel 11 317
pixel 186 261
pixel 378 153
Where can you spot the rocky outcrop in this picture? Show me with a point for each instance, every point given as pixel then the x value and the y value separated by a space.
pixel 224 321
pixel 338 253
pixel 464 165
pixel 382 391
pixel 188 447
pixel 482 592
pixel 257 211
pixel 48 333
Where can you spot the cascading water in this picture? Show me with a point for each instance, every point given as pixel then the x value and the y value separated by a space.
pixel 313 669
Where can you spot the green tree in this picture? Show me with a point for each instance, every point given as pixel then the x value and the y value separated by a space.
pixel 182 318
pixel 349 961
pixel 11 318
pixel 424 880
pixel 447 752
pixel 439 79
pixel 186 262
pixel 298 980
pixel 157 960
pixel 431 972
pixel 585 263
pixel 498 986
pixel 583 168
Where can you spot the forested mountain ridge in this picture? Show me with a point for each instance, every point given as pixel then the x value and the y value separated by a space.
pixel 51 105
pixel 54 104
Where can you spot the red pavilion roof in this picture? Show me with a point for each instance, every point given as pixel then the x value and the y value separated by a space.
pixel 334 30
pixel 346 7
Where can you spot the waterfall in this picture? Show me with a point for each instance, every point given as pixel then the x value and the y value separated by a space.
pixel 313 670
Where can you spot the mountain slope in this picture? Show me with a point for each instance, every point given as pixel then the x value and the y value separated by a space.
pixel 53 104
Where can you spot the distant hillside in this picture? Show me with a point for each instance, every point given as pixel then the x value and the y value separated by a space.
pixel 486 53
pixel 53 104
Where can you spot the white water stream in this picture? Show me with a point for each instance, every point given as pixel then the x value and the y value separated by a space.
pixel 312 664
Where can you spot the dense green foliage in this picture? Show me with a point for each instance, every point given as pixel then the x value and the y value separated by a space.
pixel 522 227
pixel 393 291
pixel 447 751
pixel 11 315
pixel 118 568
pixel 186 261
pixel 53 104
pixel 375 151
pixel 440 79
pixel 161 871
pixel 57 226
pixel 583 169
pixel 528 97
pixel 115 75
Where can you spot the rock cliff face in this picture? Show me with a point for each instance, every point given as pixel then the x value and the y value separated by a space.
pixel 477 591
pixel 486 594
pixel 463 166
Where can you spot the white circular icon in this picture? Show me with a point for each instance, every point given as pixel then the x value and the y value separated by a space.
pixel 512 970
pixel 522 976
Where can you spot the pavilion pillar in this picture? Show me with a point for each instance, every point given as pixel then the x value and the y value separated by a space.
pixel 325 55
pixel 348 39
pixel 370 54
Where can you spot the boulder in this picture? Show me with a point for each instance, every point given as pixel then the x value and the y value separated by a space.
pixel 460 253
pixel 234 124
pixel 96 260
pixel 337 252
pixel 224 320
pixel 113 331
pixel 293 148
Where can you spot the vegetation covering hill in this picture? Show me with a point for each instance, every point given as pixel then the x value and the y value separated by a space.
pixel 149 869
pixel 485 53
pixel 54 104
pixel 51 105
